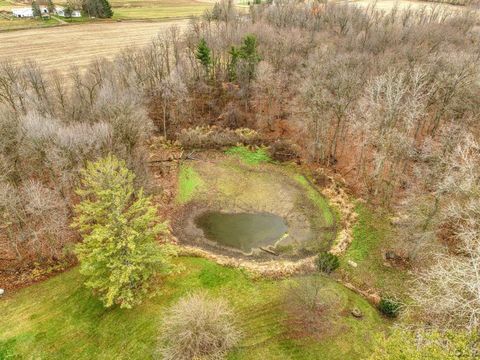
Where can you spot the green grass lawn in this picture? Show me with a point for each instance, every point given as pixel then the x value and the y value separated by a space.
pixel 158 9
pixel 24 23
pixel 189 181
pixel 59 319
pixel 6 5
pixel 371 236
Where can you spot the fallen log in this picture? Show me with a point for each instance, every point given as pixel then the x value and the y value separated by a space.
pixel 170 159
pixel 268 251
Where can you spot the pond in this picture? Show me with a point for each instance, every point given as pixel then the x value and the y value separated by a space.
pixel 244 231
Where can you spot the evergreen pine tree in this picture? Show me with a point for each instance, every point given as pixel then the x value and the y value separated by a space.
pixel 249 53
pixel 204 55
pixel 119 253
pixel 216 12
pixel 232 65
pixel 97 8
pixel 106 9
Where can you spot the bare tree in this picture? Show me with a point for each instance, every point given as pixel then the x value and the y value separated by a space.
pixel 449 291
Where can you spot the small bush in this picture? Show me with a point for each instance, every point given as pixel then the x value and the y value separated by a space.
pixel 389 307
pixel 198 328
pixel 284 150
pixel 327 262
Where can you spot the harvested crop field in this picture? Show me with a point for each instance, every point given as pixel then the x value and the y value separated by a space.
pixel 61 47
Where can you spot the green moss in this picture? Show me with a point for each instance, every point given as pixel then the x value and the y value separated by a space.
pixel 60 319
pixel 189 182
pixel 249 156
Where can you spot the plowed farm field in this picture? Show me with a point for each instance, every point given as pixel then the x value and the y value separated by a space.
pixel 59 48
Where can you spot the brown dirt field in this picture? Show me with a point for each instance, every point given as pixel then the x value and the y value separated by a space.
pixel 387 5
pixel 59 48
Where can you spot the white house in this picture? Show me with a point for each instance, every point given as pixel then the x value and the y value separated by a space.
pixel 22 12
pixel 27 12
pixel 60 11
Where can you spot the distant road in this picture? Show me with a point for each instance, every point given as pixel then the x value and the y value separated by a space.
pixel 63 46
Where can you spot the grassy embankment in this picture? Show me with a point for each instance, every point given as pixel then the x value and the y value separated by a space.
pixel 7 24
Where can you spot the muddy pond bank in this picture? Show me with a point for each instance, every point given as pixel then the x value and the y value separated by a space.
pixel 284 216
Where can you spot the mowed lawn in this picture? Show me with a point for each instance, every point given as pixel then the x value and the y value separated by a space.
pixel 16 24
pixel 6 5
pixel 59 319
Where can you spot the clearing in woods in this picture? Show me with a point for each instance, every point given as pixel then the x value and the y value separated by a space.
pixel 57 318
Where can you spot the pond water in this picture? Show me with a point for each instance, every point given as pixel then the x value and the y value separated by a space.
pixel 244 231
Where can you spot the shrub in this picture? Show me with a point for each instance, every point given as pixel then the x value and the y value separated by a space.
pixel 284 150
pixel 207 137
pixel 198 328
pixel 327 262
pixel 389 307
